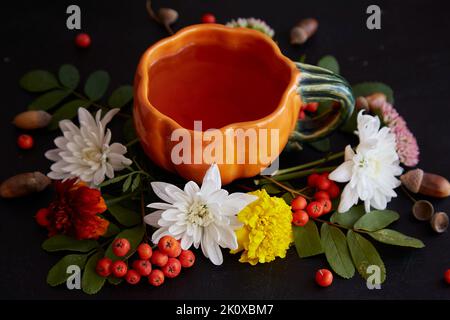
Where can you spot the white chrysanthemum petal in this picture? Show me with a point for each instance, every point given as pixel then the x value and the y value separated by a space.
pixel 186 241
pixel 160 205
pixel 158 234
pixel 191 188
pixel 152 218
pixel 343 173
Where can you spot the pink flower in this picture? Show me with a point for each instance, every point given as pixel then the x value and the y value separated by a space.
pixel 406 143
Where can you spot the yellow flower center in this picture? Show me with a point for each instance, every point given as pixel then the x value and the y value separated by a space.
pixel 199 214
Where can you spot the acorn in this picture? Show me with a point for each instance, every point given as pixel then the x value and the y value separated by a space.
pixel 429 184
pixel 33 119
pixel 24 184
pixel 304 30
pixel 423 210
pixel 439 222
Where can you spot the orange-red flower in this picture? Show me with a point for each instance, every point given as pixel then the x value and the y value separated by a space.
pixel 75 212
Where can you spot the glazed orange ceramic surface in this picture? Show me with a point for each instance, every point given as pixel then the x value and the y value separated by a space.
pixel 228 79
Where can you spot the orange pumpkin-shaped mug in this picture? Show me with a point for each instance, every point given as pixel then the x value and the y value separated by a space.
pixel 231 80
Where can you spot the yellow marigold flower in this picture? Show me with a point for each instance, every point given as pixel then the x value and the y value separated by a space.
pixel 267 231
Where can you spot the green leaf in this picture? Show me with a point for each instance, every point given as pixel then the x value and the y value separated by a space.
pixel 58 273
pixel 67 111
pixel 348 219
pixel 323 145
pixel 38 81
pixel 307 240
pixel 69 76
pixel 91 282
pixel 376 220
pixel 134 235
pixel 63 242
pixel 126 185
pixel 48 100
pixel 114 281
pixel 330 63
pixel 112 230
pixel 96 85
pixel 334 243
pixel 367 88
pixel 396 238
pixel 115 180
pixel 364 255
pixel 287 197
pixel 125 216
pixel 271 188
pixel 129 132
pixel 136 182
pixel 121 96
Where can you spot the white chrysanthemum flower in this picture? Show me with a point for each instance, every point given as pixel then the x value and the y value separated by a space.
pixel 371 171
pixel 203 216
pixel 85 152
pixel 252 23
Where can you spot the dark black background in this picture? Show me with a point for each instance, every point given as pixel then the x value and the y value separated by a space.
pixel 410 53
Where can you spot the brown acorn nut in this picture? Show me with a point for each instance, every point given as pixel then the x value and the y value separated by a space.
pixel 439 222
pixel 24 184
pixel 34 119
pixel 304 30
pixel 428 184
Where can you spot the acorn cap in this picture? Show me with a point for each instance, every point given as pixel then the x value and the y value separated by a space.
pixel 412 180
pixel 423 210
pixel 167 16
pixel 439 222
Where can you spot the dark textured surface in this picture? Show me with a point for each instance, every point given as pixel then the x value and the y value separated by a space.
pixel 411 53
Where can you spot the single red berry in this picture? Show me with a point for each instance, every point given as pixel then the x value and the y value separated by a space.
pixel 156 278
pixel 172 268
pixel 120 247
pixel 41 217
pixel 300 218
pixel 323 183
pixel 83 40
pixel 208 18
pixel 144 251
pixel 104 267
pixel 25 141
pixel 132 276
pixel 312 180
pixel 312 107
pixel 320 195
pixel 299 203
pixel 325 174
pixel 159 259
pixel 170 246
pixel 301 115
pixel 143 267
pixel 324 277
pixel 327 206
pixel 333 190
pixel 314 209
pixel 119 268
pixel 187 258
pixel 447 276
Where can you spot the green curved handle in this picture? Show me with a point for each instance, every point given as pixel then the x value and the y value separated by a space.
pixel 319 84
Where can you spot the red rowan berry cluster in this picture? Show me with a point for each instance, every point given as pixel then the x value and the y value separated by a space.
pixel 164 262
pixel 325 191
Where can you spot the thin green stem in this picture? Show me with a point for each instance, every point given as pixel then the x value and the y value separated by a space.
pixel 295 175
pixel 310 164
pixel 132 142
pixel 338 225
pixel 285 187
pixel 118 199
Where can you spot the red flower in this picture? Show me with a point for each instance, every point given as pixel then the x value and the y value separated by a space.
pixel 74 212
